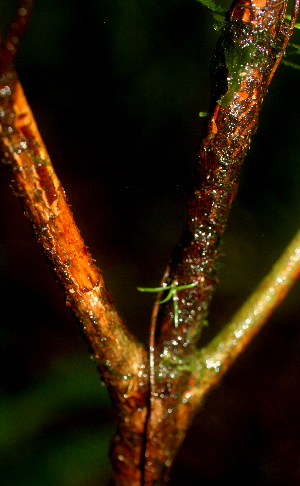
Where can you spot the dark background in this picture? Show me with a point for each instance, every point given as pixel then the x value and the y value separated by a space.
pixel 116 87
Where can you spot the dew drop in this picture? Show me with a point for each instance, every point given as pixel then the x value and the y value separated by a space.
pixel 22 11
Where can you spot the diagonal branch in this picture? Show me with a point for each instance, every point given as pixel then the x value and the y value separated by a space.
pixel 121 360
pixel 251 44
pixel 35 183
pixel 222 351
pixel 245 60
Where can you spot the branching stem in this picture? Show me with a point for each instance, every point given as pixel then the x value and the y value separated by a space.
pixel 173 376
pixel 221 352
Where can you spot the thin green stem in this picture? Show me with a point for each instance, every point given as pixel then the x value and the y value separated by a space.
pixel 230 342
pixel 172 294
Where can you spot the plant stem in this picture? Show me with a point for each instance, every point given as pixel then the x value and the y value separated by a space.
pixel 179 377
pixel 245 60
pixel 232 339
pixel 122 362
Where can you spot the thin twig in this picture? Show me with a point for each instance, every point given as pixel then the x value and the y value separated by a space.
pixel 221 352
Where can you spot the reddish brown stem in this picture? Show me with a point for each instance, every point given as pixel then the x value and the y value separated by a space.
pixel 18 28
pixel 227 136
pixel 123 363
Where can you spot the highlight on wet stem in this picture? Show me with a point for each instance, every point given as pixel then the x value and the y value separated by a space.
pixel 156 387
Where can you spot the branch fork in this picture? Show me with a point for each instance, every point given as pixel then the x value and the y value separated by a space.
pixel 156 394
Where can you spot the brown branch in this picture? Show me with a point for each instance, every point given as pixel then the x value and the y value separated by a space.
pixel 121 360
pixel 245 60
pixel 240 84
pixel 36 185
pixel 211 363
pixel 222 351
pixel 18 28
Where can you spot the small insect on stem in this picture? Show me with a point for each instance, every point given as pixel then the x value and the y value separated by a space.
pixel 173 289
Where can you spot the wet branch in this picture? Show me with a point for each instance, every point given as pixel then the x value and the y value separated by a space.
pixel 120 359
pixel 245 60
pixel 215 359
pixel 177 377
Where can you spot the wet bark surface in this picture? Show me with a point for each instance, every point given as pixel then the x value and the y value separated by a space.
pixel 154 400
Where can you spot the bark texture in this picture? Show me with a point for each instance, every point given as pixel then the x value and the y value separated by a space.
pixel 245 59
pixel 155 397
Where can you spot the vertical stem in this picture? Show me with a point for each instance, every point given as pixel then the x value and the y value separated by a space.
pixel 244 60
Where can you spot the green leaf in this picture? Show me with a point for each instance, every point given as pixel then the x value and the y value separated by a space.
pixel 288 17
pixel 291 64
pixel 296 48
pixel 212 6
